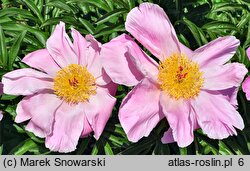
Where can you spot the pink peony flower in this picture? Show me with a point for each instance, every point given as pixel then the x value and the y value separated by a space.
pixel 1 92
pixel 68 96
pixel 191 89
pixel 248 53
pixel 246 83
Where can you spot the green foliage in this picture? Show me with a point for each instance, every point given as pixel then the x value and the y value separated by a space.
pixel 25 26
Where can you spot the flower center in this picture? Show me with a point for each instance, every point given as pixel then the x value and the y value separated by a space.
pixel 74 84
pixel 180 77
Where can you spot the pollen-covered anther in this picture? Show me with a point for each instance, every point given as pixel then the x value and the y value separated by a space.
pixel 74 84
pixel 180 77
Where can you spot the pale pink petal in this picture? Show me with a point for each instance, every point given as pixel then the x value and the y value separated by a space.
pixel 246 87
pixel 118 64
pixel 139 112
pixel 103 79
pixel 168 137
pixel 231 95
pixel 40 108
pixel 1 88
pixel 177 113
pixel 42 61
pixel 216 52
pixel 68 127
pixel 26 82
pixel 146 65
pixel 94 62
pixel 60 47
pixel 186 51
pixel 80 45
pixel 248 53
pixel 86 127
pixel 150 25
pixel 93 59
pixel 216 116
pixel 110 88
pixel 88 50
pixel 1 115
pixel 98 110
pixel 224 77
pixel 31 127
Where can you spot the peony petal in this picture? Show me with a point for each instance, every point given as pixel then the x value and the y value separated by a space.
pixel 103 79
pixel 117 61
pixel 98 110
pixel 178 113
pixel 140 112
pixel 94 64
pixel 31 127
pixel 216 52
pixel 42 61
pixel 248 53
pixel 87 127
pixel 168 137
pixel 60 47
pixel 224 77
pixel 186 51
pixel 26 82
pixel 246 87
pixel 88 51
pixel 149 24
pixel 1 115
pixel 68 127
pixel 110 88
pixel 146 65
pixel 80 45
pixel 231 95
pixel 40 108
pixel 1 88
pixel 216 116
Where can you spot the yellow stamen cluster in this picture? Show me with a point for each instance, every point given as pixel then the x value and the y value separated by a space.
pixel 74 84
pixel 180 77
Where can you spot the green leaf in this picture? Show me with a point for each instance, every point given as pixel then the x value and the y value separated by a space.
pixel 95 150
pixel 35 138
pixel 223 149
pixel 15 48
pixel 109 16
pixel 56 20
pixel 161 149
pixel 41 36
pixel 19 129
pixel 131 4
pixel 87 25
pixel 17 12
pixel 1 149
pixel 109 30
pixel 108 149
pixel 97 3
pixel 61 5
pixel 183 151
pixel 196 32
pixel 8 97
pixel 32 6
pixel 83 146
pixel 24 147
pixel 142 145
pixel 220 25
pixel 3 49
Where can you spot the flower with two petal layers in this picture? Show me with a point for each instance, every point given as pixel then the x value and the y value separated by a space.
pixel 246 83
pixel 192 89
pixel 67 94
